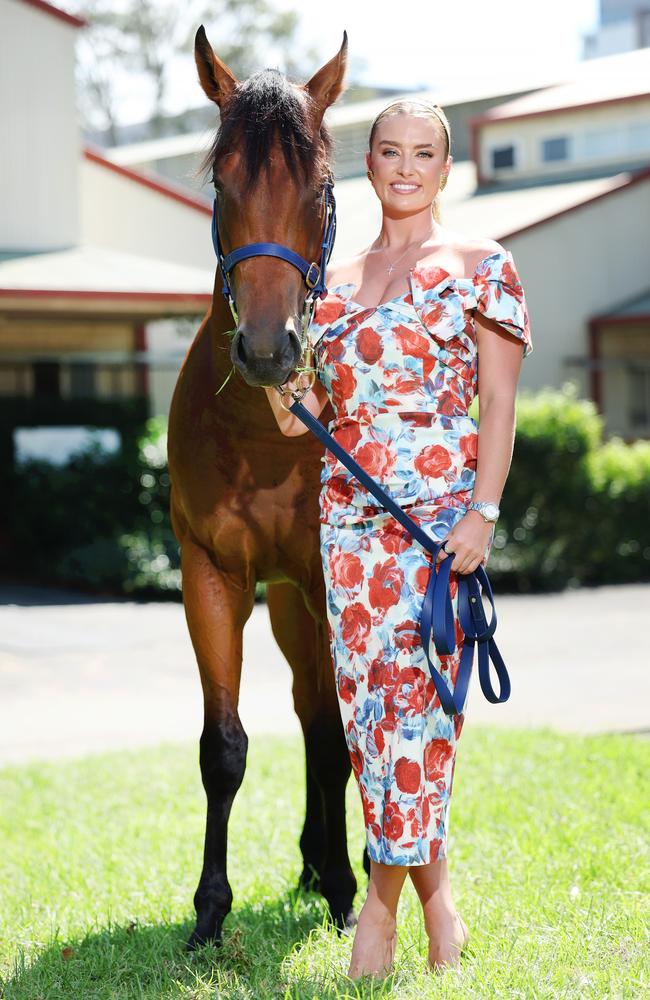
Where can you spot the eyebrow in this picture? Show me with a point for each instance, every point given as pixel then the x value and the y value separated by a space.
pixel 389 142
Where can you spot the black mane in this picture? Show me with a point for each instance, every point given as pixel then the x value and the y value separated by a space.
pixel 261 107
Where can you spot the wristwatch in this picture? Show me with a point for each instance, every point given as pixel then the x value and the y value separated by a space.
pixel 489 510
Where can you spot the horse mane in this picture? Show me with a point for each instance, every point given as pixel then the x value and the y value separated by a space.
pixel 260 107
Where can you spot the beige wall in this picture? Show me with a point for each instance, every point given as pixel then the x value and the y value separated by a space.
pixel 576 266
pixel 62 336
pixel 120 214
pixel 39 138
pixel 623 132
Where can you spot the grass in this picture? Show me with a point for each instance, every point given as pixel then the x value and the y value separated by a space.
pixel 99 859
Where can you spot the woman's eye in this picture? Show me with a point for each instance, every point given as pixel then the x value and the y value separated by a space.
pixel 422 152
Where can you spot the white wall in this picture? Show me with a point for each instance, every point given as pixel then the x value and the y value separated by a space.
pixel 120 214
pixel 39 136
pixel 576 266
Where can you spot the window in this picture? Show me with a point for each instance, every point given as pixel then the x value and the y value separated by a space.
pixel 503 157
pixel 639 397
pixel 46 379
pixel 555 149
pixel 82 380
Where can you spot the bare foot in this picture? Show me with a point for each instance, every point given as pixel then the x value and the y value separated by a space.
pixel 448 935
pixel 374 945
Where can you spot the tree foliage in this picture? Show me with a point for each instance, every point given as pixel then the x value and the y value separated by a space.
pixel 144 40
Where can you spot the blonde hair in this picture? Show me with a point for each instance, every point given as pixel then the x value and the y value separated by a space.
pixel 425 109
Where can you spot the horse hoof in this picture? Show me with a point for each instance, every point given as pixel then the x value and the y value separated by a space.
pixel 198 940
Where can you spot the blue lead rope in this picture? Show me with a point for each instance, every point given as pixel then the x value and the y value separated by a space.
pixel 437 617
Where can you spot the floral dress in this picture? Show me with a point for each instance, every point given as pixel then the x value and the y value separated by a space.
pixel 401 377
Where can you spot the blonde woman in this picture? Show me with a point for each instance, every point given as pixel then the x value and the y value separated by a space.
pixel 407 325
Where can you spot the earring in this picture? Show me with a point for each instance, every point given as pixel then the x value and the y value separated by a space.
pixel 443 181
pixel 370 175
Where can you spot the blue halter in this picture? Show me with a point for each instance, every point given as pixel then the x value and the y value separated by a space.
pixel 313 273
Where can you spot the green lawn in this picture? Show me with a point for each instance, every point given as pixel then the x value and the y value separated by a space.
pixel 549 851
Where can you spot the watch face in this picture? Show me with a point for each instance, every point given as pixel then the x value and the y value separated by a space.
pixel 491 510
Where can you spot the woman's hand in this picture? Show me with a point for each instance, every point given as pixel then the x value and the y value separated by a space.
pixel 467 542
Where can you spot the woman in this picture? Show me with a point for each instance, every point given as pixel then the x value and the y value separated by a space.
pixel 397 342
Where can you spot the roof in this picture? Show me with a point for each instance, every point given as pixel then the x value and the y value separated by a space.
pixel 340 115
pixel 88 274
pixel 637 308
pixel 621 77
pixel 496 214
pixel 60 15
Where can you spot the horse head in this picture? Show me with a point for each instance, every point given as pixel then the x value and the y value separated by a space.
pixel 272 177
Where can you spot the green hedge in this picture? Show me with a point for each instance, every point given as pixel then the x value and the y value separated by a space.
pixel 574 511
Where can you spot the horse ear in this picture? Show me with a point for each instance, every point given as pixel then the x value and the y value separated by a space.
pixel 217 80
pixel 327 85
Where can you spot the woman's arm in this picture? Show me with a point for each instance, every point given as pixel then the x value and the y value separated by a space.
pixel 500 356
pixel 290 425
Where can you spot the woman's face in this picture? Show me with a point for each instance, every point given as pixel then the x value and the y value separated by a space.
pixel 408 160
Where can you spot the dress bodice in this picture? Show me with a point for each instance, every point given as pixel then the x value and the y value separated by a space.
pixel 401 377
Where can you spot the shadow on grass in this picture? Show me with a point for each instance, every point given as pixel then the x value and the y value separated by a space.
pixel 120 962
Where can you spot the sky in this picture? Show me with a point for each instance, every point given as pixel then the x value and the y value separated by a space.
pixel 423 44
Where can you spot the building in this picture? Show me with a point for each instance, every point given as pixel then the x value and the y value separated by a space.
pixel 91 255
pixel 624 25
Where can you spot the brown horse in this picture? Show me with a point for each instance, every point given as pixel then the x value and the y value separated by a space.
pixel 245 497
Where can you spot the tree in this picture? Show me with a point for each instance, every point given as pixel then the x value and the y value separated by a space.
pixel 128 40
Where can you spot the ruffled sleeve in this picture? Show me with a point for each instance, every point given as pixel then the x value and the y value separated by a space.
pixel 500 296
pixel 328 311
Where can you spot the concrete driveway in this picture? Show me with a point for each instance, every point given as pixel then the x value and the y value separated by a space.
pixel 78 676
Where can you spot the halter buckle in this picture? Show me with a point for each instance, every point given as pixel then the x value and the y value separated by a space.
pixel 309 281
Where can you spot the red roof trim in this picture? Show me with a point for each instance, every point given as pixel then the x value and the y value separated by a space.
pixel 201 298
pixel 160 186
pixel 61 15
pixel 636 178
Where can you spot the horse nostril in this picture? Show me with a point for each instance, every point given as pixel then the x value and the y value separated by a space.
pixel 241 350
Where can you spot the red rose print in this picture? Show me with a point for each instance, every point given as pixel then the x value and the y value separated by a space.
pixel 356 759
pixel 346 570
pixel 342 491
pixel 348 436
pixel 422 574
pixel 407 636
pixel 328 309
pixel 469 448
pixel 347 688
pixel 393 821
pixel 437 753
pixel 433 461
pixel 369 345
pixel 355 626
pixel 343 385
pixel 385 584
pixel 376 673
pixel 412 343
pixel 511 278
pixel 407 775
pixel 393 538
pixel 377 459
pixel 380 742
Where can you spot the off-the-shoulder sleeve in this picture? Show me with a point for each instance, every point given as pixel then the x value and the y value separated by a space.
pixel 326 312
pixel 500 296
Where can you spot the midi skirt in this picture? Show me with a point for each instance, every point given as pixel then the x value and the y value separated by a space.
pixel 401 742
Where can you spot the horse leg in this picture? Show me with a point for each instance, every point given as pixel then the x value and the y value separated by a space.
pixel 303 640
pixel 216 609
